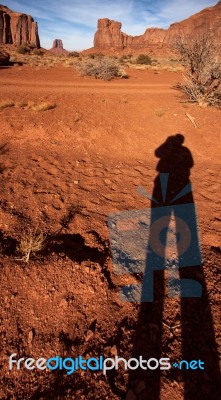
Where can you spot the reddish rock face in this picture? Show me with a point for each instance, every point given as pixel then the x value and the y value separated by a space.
pixel 109 35
pixel 17 28
pixel 57 47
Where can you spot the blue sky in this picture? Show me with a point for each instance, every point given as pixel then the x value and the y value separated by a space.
pixel 75 21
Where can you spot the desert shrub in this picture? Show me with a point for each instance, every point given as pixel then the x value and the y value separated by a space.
pixel 43 106
pixel 99 55
pixel 38 52
pixel 73 54
pixel 92 56
pixel 31 242
pixel 32 46
pixel 144 59
pixel 122 59
pixel 31 105
pixel 202 79
pixel 6 104
pixel 101 68
pixel 23 49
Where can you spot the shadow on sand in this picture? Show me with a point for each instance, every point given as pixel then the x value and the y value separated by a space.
pixel 172 196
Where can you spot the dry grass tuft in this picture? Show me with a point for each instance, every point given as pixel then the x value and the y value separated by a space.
pixel 43 106
pixel 101 68
pixel 31 242
pixel 202 80
pixel 21 104
pixel 28 105
pixel 6 103
pixel 160 112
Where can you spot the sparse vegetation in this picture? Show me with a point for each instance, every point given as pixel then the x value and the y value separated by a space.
pixel 125 58
pixel 21 104
pixel 32 46
pixel 160 112
pixel 96 55
pixel 31 242
pixel 102 68
pixel 38 52
pixel 23 49
pixel 73 54
pixel 144 59
pixel 6 103
pixel 43 106
pixel 202 80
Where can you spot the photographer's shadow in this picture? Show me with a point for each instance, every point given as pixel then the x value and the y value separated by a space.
pixel 173 213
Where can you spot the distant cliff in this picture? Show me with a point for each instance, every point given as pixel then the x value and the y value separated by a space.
pixel 109 35
pixel 17 28
pixel 57 47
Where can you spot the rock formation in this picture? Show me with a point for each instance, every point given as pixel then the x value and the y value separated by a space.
pixel 57 47
pixel 17 28
pixel 4 57
pixel 110 37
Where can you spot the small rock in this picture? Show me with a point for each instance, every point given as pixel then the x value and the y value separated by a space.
pixel 114 350
pixel 89 335
pixel 171 335
pixel 56 204
pixel 30 338
pixel 203 104
pixel 107 181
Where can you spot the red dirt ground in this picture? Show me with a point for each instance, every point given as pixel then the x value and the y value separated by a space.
pixel 63 171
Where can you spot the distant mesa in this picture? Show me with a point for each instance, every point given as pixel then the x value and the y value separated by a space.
pixel 57 47
pixel 109 36
pixel 17 28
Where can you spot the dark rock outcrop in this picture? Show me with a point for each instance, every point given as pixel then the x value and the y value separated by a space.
pixel 4 57
pixel 17 28
pixel 57 47
pixel 109 35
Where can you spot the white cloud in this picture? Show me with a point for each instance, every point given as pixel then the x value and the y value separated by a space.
pixel 75 21
pixel 175 11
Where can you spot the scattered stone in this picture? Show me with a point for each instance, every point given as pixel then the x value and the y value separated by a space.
pixel 114 350
pixel 89 335
pixel 56 204
pixel 30 338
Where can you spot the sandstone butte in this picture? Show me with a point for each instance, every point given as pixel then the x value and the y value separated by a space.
pixel 57 47
pixel 109 36
pixel 17 28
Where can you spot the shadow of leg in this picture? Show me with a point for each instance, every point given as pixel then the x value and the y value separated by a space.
pixel 198 342
pixel 148 344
